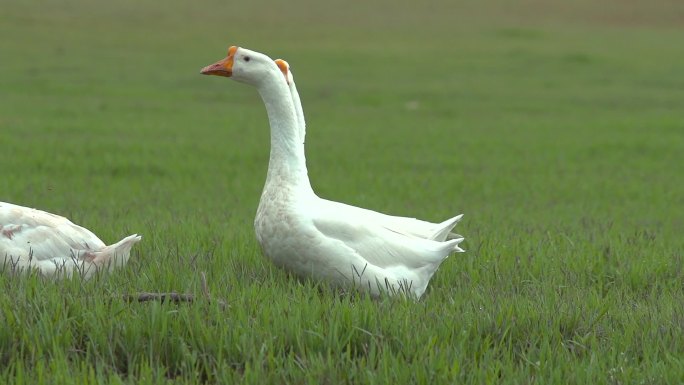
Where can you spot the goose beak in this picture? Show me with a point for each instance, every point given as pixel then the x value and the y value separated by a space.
pixel 284 68
pixel 222 67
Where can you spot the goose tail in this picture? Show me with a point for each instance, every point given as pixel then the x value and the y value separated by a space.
pixel 116 255
pixel 443 231
pixel 453 245
pixel 445 249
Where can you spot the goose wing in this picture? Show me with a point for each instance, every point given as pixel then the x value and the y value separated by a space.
pixel 410 226
pixel 41 234
pixel 381 244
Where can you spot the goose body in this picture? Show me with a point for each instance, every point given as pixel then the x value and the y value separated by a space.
pixel 322 239
pixel 51 244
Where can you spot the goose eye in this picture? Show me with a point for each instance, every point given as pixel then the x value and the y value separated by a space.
pixel 247 58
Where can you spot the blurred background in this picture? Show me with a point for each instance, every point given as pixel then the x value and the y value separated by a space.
pixel 524 107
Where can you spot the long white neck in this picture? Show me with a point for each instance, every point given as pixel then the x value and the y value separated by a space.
pixel 287 163
pixel 299 111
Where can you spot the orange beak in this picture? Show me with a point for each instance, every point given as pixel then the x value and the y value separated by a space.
pixel 222 67
pixel 283 66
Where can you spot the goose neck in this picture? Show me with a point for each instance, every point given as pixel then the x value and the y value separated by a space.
pixel 287 163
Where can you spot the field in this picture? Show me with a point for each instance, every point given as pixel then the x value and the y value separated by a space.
pixel 557 128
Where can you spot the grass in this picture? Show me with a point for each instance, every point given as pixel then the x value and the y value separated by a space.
pixel 555 127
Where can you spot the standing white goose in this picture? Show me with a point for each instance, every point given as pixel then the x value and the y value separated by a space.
pixel 324 240
pixel 53 245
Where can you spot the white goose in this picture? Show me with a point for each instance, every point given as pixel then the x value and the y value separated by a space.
pixel 53 245
pixel 317 238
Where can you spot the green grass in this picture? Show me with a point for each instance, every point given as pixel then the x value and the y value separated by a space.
pixel 557 128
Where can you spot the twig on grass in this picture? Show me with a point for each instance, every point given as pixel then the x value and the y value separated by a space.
pixel 161 297
pixel 175 297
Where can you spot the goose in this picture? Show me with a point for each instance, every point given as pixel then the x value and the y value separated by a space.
pixel 32 239
pixel 311 237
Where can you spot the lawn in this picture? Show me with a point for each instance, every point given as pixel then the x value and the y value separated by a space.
pixel 557 128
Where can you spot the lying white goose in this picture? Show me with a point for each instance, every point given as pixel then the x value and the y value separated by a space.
pixel 313 237
pixel 35 239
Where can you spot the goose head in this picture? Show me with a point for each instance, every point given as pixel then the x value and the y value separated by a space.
pixel 244 66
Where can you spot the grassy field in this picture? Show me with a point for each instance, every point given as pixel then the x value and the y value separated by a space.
pixel 556 127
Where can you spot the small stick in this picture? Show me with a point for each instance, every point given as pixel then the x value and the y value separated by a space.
pixel 161 297
pixel 175 297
